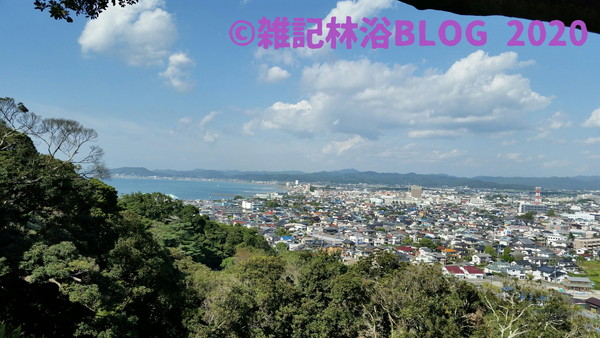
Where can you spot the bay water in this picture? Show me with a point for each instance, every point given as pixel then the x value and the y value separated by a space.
pixel 191 189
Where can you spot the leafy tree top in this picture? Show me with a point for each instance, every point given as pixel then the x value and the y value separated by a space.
pixel 63 9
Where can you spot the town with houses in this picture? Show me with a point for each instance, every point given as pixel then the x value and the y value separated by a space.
pixel 473 234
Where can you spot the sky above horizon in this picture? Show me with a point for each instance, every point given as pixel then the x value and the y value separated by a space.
pixel 165 87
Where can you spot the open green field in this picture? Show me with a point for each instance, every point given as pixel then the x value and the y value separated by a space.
pixel 592 271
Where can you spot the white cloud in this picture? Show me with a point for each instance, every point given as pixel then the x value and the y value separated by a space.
pixel 273 74
pixel 417 153
pixel 433 155
pixel 590 155
pixel 591 140
pixel 510 156
pixel 436 133
pixel 409 146
pixel 353 76
pixel 555 164
pixel 188 129
pixel 248 127
pixel 141 34
pixel 357 9
pixel 208 118
pixel 407 151
pixel 594 120
pixel 557 121
pixel 210 136
pixel 177 73
pixel 438 155
pixel 297 118
pixel 279 56
pixel 340 147
pixel 475 95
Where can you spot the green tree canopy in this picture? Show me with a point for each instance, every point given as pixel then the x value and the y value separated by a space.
pixel 490 251
pixel 63 9
pixel 526 216
pixel 506 256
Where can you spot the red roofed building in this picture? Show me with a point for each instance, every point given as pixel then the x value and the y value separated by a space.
pixel 405 249
pixel 454 271
pixel 472 272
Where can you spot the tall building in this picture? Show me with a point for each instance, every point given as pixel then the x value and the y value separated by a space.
pixel 416 191
pixel 537 206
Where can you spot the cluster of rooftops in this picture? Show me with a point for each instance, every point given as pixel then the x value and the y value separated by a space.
pixel 470 232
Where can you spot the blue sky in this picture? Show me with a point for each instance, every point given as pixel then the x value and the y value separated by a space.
pixel 165 87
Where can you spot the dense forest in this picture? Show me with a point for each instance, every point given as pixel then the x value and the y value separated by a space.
pixel 76 259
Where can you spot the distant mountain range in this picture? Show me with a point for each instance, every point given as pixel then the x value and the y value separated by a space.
pixel 350 176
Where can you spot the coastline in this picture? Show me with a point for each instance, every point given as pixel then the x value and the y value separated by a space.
pixel 231 180
pixel 193 188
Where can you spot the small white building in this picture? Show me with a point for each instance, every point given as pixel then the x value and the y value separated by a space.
pixel 247 205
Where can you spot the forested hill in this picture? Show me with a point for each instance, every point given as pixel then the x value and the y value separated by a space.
pixel 370 177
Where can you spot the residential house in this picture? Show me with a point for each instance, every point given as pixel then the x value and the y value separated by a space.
pixel 472 272
pixel 481 258
pixel 549 273
pixel 497 267
pixel 453 270
pixel 577 283
pixel 516 271
pixel 592 304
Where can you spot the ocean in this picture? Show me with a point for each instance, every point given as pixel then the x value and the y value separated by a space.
pixel 191 189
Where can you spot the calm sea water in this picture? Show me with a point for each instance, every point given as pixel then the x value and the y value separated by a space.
pixel 191 190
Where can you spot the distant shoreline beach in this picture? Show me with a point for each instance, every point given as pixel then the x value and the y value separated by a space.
pixel 192 188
